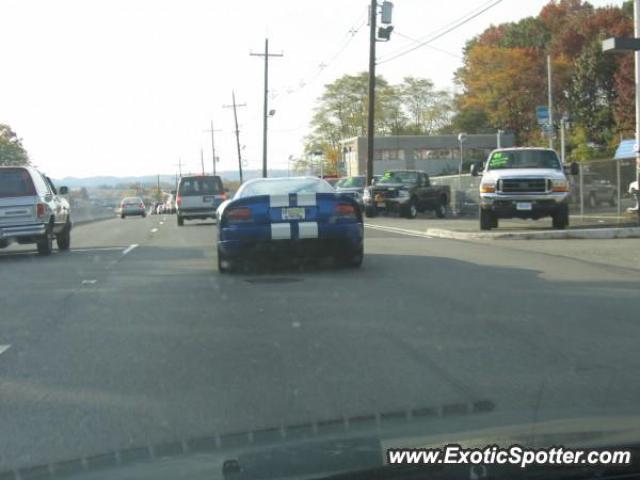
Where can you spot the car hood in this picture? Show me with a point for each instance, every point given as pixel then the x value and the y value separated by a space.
pixel 349 189
pixel 524 172
pixel 350 449
pixel 389 186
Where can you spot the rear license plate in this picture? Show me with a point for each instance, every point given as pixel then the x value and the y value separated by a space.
pixel 293 213
pixel 523 206
pixel 207 199
pixel 380 204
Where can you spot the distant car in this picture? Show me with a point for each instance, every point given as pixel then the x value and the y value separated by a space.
pixel 198 197
pixel 32 210
pixel 353 187
pixel 597 190
pixel 160 208
pixel 295 216
pixel 154 209
pixel 132 206
pixel 169 205
pixel 633 191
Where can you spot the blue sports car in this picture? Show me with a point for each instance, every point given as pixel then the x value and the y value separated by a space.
pixel 292 216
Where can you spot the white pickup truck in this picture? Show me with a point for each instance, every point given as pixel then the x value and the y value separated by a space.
pixel 523 183
pixel 32 210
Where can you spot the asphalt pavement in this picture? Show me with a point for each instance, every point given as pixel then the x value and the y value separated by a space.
pixel 133 337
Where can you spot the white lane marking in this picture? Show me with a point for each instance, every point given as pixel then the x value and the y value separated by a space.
pixel 401 231
pixel 4 348
pixel 89 282
pixel 308 229
pixel 154 230
pixel 280 231
pixel 129 248
pixel 161 223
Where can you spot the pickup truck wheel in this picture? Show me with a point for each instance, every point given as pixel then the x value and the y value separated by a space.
pixel 487 220
pixel 63 239
pixel 410 210
pixel 441 210
pixel 560 219
pixel 180 221
pixel 370 212
pixel 45 245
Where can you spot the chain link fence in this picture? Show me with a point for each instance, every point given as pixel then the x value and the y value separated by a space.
pixel 600 190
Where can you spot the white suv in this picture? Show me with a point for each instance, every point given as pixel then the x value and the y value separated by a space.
pixel 32 210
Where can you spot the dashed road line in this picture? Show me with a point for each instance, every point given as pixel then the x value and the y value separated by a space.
pixel 154 230
pixel 89 282
pixel 4 348
pixel 129 248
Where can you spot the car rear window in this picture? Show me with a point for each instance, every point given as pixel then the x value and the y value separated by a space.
pixel 200 186
pixel 16 182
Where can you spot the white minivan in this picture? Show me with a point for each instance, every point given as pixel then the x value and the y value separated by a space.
pixel 198 197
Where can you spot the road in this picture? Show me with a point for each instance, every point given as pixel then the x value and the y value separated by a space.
pixel 133 338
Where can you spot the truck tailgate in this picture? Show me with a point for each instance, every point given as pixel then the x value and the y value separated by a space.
pixel 17 210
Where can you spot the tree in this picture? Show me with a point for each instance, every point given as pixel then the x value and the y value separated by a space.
pixel 11 150
pixel 429 110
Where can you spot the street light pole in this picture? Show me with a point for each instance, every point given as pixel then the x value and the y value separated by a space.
pixel 372 89
pixel 551 130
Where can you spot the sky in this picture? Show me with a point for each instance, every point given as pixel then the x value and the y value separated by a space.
pixel 129 87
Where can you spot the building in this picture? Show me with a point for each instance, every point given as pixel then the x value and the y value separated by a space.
pixel 436 155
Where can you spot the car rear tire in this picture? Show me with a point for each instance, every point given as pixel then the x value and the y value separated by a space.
pixel 370 212
pixel 180 221
pixel 122 216
pixel 225 265
pixel 350 260
pixel 487 220
pixel 45 245
pixel 441 209
pixel 560 219
pixel 63 239
pixel 410 210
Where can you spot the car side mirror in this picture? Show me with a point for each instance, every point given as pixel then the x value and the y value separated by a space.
pixel 63 190
pixel 574 168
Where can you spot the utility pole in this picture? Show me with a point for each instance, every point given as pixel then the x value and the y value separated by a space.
pixel 373 12
pixel 621 44
pixel 235 118
pixel 202 160
pixel 213 145
pixel 266 56
pixel 551 129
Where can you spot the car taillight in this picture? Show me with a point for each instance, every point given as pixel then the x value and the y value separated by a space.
pixel 223 196
pixel 345 210
pixel 239 214
pixel 179 201
pixel 40 210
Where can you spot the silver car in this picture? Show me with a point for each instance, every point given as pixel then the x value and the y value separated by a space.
pixel 199 196
pixel 132 206
pixel 32 210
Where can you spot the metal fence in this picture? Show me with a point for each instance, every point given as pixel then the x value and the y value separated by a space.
pixel 600 189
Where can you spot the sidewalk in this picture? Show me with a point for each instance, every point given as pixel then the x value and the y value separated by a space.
pixel 593 226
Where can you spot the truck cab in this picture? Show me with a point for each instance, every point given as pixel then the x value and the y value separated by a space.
pixel 523 183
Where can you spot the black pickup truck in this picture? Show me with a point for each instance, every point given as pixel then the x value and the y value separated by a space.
pixel 406 192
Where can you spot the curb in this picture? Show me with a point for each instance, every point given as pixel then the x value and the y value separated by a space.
pixel 583 233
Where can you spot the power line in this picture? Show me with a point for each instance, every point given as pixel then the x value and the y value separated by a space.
pixel 437 49
pixel 456 25
pixel 346 40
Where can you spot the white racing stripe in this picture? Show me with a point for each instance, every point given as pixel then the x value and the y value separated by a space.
pixel 308 229
pixel 280 231
pixel 276 201
pixel 307 200
pixel 129 248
